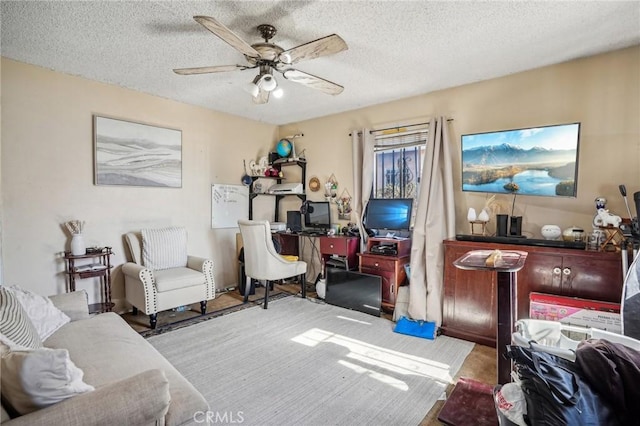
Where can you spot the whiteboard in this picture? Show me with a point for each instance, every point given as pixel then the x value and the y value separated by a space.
pixel 228 204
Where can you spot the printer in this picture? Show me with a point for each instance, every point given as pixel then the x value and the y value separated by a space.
pixel 286 188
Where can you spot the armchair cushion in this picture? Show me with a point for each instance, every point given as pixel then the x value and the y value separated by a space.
pixel 164 248
pixel 175 278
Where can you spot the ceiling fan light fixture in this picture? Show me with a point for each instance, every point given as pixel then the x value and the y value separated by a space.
pixel 268 83
pixel 252 88
pixel 277 93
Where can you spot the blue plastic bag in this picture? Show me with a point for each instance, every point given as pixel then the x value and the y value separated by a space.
pixel 418 328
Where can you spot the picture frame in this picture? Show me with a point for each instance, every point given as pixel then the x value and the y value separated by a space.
pixel 128 153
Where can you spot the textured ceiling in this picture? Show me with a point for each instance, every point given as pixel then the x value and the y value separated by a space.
pixel 397 49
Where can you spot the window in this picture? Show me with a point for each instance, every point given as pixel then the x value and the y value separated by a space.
pixel 398 164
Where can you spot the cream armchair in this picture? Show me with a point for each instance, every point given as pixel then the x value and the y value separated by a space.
pixel 162 276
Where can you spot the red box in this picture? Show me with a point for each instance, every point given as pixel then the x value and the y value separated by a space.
pixel 575 311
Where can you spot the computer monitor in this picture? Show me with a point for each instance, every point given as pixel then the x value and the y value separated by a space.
pixel 318 216
pixel 389 214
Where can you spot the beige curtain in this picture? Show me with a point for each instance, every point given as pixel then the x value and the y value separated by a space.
pixel 362 143
pixel 434 222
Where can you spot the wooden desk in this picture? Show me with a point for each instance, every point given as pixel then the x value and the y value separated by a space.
pixel 317 250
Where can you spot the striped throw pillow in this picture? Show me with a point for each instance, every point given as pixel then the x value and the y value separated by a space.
pixel 15 325
pixel 164 248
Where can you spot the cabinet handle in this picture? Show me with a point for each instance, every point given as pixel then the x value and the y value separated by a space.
pixel 557 271
pixel 566 271
pixel 331 245
pixel 376 265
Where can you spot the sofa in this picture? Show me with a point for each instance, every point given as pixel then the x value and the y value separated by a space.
pixel 134 384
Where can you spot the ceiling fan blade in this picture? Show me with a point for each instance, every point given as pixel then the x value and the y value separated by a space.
pixel 323 46
pixel 262 98
pixel 227 35
pixel 312 81
pixel 206 70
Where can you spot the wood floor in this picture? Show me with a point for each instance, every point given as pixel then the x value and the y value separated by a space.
pixel 479 365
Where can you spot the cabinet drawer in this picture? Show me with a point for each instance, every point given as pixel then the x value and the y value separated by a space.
pixel 333 245
pixel 377 262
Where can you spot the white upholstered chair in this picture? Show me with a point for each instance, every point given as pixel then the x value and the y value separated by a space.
pixel 261 260
pixel 162 276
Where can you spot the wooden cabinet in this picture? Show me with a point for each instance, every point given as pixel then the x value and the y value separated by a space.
pixel 470 296
pixel 390 269
pixel 340 251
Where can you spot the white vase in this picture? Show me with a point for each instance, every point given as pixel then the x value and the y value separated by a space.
pixel 77 245
pixel 471 215
pixel 483 216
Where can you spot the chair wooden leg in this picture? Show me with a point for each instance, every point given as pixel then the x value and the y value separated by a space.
pixel 303 285
pixel 267 284
pixel 203 307
pixel 134 311
pixel 153 320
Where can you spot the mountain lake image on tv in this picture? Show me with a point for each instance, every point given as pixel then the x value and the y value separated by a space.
pixel 533 161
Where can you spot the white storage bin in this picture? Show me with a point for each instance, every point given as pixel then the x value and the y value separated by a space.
pixel 548 336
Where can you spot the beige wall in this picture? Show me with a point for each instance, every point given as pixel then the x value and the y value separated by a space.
pixel 47 156
pixel 47 174
pixel 601 92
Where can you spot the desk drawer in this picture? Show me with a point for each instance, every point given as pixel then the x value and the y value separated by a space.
pixel 378 262
pixel 334 245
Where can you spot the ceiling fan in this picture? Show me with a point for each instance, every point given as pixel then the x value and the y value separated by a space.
pixel 269 57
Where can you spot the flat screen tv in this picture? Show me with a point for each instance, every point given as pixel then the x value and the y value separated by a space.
pixel 532 161
pixel 389 214
pixel 318 215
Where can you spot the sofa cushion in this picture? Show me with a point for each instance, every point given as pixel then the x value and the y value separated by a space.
pixel 36 378
pixel 15 326
pixel 44 316
pixel 164 248
pixel 75 304
pixel 107 349
pixel 175 278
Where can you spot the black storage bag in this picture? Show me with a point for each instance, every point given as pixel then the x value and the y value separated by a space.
pixel 613 370
pixel 556 393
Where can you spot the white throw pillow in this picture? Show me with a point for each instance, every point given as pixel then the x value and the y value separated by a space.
pixel 16 329
pixel 164 248
pixel 36 378
pixel 44 316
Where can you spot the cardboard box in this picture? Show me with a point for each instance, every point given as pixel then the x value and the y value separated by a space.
pixel 576 312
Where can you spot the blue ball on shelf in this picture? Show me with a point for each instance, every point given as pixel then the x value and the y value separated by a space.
pixel 284 147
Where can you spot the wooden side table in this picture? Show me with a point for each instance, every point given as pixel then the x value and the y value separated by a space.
pixel 100 268
pixel 507 267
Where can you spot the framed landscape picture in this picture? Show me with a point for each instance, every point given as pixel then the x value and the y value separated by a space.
pixel 136 154
pixel 539 160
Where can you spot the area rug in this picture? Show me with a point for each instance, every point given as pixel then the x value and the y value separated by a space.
pixel 166 323
pixel 308 363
